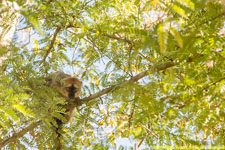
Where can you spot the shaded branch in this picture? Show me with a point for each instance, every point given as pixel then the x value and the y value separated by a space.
pixel 51 43
pixel 20 134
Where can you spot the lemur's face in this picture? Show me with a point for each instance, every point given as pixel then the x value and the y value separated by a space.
pixel 71 88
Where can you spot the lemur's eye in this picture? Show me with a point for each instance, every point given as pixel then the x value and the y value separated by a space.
pixel 67 88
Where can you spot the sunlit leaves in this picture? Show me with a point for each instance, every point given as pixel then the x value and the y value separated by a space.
pixel 34 22
pixel 187 3
pixel 177 36
pixel 22 109
pixel 137 31
pixel 154 2
pixel 163 36
pixel 179 10
pixel 3 51
pixel 11 114
pixel 36 46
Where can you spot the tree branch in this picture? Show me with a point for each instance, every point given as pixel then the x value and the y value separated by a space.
pixel 51 44
pixel 20 134
pixel 142 140
pixel 133 79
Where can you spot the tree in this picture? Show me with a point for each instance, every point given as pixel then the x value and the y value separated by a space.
pixel 9 19
pixel 153 72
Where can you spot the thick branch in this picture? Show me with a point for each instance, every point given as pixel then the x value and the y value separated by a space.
pixel 51 44
pixel 133 79
pixel 15 136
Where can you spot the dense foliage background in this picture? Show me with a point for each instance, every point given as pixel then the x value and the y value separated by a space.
pixel 161 63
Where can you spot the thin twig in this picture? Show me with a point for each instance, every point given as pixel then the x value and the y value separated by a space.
pixel 24 28
pixel 143 55
pixel 142 140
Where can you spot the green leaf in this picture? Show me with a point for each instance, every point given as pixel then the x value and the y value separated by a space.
pixel 138 131
pixel 22 109
pixel 137 31
pixel 187 3
pixel 3 50
pixel 3 120
pixel 137 2
pixel 92 102
pixel 177 36
pixel 10 113
pixel 163 35
pixel 43 7
pixel 64 57
pixel 179 10
pixel 192 142
pixel 33 20
pixel 3 124
pixel 59 116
